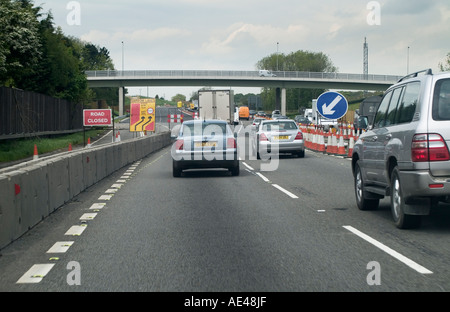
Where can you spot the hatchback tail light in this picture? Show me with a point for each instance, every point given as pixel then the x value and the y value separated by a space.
pixel 231 143
pixel 299 136
pixel 429 147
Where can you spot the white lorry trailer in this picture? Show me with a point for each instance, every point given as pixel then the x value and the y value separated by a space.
pixel 217 104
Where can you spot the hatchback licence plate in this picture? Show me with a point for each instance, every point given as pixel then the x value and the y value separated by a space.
pixel 205 144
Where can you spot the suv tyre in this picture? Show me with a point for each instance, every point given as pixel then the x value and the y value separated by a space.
pixel 402 220
pixel 361 194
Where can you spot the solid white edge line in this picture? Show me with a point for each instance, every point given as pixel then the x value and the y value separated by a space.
pixel 284 191
pixel 417 267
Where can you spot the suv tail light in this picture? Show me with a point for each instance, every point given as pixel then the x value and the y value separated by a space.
pixel 299 136
pixel 429 147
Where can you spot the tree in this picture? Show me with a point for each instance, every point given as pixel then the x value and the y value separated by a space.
pixel 295 61
pixel 446 65
pixel 19 40
pixel 178 98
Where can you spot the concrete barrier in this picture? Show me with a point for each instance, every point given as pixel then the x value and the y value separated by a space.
pixel 59 185
pixel 31 191
pixel 76 174
pixel 9 214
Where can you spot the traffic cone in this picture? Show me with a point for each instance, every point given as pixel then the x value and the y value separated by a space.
pixel 351 144
pixel 330 144
pixel 89 143
pixel 341 146
pixel 35 154
pixel 118 136
pixel 70 147
pixel 321 144
pixel 334 147
pixel 314 140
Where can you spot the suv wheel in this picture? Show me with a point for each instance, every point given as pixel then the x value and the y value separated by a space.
pixel 402 220
pixel 361 194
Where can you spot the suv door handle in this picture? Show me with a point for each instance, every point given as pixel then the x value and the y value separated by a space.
pixel 374 138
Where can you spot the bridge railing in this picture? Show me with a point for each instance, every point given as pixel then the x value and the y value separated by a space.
pixel 138 74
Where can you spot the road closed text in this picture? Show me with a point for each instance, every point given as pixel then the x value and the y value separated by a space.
pixel 97 117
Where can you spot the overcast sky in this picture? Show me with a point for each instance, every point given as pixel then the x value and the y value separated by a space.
pixel 236 34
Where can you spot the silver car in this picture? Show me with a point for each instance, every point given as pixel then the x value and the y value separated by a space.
pixel 405 154
pixel 205 144
pixel 279 136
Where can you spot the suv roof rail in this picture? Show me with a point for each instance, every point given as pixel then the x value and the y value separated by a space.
pixel 426 71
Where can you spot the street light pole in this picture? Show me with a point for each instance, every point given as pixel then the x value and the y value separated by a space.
pixel 277 54
pixel 407 63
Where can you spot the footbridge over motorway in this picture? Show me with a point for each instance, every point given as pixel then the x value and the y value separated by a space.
pixel 223 78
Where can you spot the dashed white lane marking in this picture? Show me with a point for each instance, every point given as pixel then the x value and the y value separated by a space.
pixel 97 206
pixel 262 177
pixel 88 216
pixel 391 252
pixel 111 191
pixel 285 191
pixel 248 166
pixel 76 230
pixel 35 274
pixel 60 247
pixel 105 197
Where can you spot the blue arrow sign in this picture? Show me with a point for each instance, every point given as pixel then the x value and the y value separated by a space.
pixel 332 105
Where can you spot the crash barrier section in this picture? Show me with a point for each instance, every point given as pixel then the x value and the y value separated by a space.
pixel 338 141
pixel 31 191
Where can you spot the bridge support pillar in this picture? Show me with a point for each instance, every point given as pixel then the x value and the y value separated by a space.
pixel 121 98
pixel 278 98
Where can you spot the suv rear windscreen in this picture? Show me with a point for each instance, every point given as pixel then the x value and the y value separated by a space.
pixel 441 100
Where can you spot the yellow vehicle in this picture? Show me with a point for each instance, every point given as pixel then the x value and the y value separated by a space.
pixel 244 112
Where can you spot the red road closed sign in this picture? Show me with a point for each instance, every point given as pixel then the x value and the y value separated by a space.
pixel 97 117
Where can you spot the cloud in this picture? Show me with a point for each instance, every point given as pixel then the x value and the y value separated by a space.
pixel 148 35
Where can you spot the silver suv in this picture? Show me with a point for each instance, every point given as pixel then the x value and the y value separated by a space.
pixel 405 154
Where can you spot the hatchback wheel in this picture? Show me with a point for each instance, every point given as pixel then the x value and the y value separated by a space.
pixel 402 220
pixel 361 194
pixel 176 171
pixel 234 171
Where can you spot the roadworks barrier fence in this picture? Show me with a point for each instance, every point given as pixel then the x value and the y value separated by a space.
pixel 338 142
pixel 31 191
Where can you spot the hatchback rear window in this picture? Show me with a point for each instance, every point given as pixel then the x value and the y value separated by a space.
pixel 283 125
pixel 441 100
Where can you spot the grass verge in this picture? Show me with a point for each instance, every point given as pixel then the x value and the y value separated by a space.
pixel 13 150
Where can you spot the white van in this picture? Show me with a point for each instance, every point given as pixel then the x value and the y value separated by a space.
pixel 266 73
